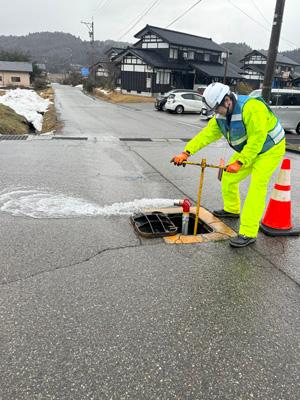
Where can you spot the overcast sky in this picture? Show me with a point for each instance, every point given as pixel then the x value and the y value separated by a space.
pixel 219 19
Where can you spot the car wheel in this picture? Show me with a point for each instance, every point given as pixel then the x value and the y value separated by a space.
pixel 298 128
pixel 179 110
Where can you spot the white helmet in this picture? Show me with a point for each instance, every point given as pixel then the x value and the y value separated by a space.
pixel 214 94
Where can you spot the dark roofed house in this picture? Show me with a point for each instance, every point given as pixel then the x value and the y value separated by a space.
pixel 15 73
pixel 254 64
pixel 163 59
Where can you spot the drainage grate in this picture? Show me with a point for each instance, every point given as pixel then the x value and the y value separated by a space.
pixel 13 137
pixel 69 138
pixel 155 224
pixel 136 139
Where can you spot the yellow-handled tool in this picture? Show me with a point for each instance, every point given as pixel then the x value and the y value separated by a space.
pixel 204 165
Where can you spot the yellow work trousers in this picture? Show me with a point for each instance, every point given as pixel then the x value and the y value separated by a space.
pixel 261 171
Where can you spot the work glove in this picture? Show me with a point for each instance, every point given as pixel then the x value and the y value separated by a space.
pixel 180 158
pixel 234 167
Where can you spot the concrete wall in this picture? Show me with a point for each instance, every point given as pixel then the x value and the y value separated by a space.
pixel 6 79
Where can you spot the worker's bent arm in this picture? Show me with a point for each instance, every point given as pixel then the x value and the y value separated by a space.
pixel 209 134
pixel 256 118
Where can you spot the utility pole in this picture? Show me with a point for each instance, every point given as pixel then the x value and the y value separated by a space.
pixel 273 50
pixel 226 67
pixel 90 26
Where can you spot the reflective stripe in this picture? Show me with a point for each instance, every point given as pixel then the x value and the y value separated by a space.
pixel 277 134
pixel 239 141
pixel 219 116
pixel 280 195
pixel 279 137
pixel 284 177
pixel 236 117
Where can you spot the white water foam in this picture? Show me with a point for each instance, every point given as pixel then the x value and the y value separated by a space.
pixel 43 204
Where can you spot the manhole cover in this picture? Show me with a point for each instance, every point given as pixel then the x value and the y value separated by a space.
pixel 155 224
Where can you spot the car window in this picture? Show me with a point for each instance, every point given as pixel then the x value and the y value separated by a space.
pixel 291 99
pixel 197 97
pixel 188 96
pixel 285 99
pixel 275 99
pixel 172 96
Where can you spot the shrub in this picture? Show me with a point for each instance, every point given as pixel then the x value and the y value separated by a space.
pixel 243 88
pixel 89 86
pixel 40 83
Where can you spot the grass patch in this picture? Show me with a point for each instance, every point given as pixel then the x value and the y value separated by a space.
pixel 116 97
pixel 50 121
pixel 12 123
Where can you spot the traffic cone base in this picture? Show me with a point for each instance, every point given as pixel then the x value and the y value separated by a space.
pixel 279 232
pixel 278 217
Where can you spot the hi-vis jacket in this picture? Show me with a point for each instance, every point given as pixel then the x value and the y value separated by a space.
pixel 253 130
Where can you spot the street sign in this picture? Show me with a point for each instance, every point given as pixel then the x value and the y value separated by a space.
pixel 85 71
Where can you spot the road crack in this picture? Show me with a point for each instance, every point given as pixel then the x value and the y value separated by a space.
pixel 69 265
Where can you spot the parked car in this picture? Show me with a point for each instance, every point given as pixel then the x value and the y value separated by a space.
pixel 162 98
pixel 207 113
pixel 286 105
pixel 184 102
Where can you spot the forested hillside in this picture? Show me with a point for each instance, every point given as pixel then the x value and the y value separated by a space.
pixel 56 49
pixel 238 51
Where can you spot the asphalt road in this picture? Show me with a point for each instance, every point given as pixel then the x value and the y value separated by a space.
pixel 88 310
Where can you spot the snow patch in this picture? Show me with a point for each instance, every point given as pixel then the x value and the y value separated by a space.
pixel 43 204
pixel 28 104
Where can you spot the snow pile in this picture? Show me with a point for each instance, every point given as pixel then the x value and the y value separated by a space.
pixel 43 204
pixel 28 104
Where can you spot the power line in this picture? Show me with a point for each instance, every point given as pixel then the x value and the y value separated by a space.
pixel 183 14
pixel 100 5
pixel 141 16
pixel 261 14
pixel 263 26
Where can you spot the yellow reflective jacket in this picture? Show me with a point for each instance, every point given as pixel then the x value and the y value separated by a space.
pixel 258 121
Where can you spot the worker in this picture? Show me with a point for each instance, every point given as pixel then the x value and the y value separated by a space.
pixel 255 133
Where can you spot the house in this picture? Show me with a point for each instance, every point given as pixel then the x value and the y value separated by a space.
pixel 105 71
pixel 15 73
pixel 163 59
pixel 254 64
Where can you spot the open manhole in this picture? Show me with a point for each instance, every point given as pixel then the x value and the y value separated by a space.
pixel 210 228
pixel 201 228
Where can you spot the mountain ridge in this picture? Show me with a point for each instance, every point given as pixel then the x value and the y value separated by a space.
pixel 59 49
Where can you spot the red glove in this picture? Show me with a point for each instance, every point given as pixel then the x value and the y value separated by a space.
pixel 234 167
pixel 178 160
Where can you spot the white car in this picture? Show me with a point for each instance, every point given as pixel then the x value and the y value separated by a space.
pixel 286 105
pixel 184 102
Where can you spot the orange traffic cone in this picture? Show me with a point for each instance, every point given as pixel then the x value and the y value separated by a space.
pixel 278 217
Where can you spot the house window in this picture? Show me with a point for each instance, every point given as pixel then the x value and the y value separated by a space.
pixel 15 79
pixel 206 57
pixel 173 53
pixel 185 55
pixel 102 72
pixel 162 78
pixel 190 55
